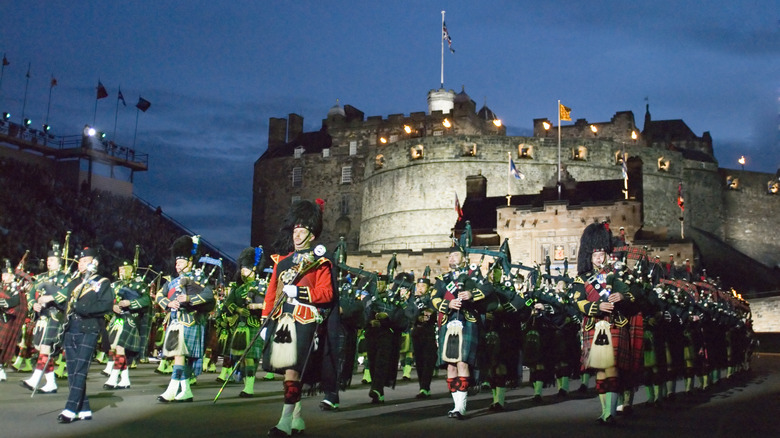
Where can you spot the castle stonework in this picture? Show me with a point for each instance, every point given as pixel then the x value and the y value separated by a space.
pixel 390 184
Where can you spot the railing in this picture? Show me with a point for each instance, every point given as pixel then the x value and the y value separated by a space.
pixel 41 141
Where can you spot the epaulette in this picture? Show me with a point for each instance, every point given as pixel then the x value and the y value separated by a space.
pixel 579 280
pixel 276 258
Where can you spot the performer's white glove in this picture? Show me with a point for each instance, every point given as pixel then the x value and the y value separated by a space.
pixel 263 333
pixel 290 290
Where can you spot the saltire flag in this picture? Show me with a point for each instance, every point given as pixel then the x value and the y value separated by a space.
pixel 101 91
pixel 143 104
pixel 513 170
pixel 5 61
pixel 457 207
pixel 624 167
pixel 680 199
pixel 446 36
pixel 53 81
pixel 121 97
pixel 565 112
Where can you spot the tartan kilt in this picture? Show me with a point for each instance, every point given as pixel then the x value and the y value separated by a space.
pixel 193 339
pixel 130 335
pixel 241 338
pixel 10 332
pixel 621 344
pixel 45 331
pixel 470 343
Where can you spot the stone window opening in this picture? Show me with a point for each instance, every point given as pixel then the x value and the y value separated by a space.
pixel 732 183
pixel 298 152
pixel 416 152
pixel 326 153
pixel 580 153
pixel 353 147
pixel 346 175
pixel 469 150
pixel 525 152
pixel 297 177
pixel 663 165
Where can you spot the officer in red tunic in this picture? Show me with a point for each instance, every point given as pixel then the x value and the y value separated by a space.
pixel 299 295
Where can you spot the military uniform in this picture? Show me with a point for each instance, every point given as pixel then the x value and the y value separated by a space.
pixel 243 308
pixel 459 328
pixel 186 321
pixel 13 311
pixel 133 304
pixel 300 296
pixel 87 300
pixel 44 326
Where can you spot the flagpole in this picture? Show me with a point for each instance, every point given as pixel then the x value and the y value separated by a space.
pixel 116 114
pixel 2 71
pixel 26 85
pixel 48 105
pixel 508 177
pixel 137 110
pixel 442 49
pixel 94 116
pixel 559 149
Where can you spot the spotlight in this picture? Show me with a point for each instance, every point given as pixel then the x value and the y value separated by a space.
pixel 27 122
pixel 46 128
pixel 6 116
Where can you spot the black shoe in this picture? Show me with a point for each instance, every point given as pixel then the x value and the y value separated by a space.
pixel 562 393
pixel 327 405
pixel 376 397
pixel 456 415
pixel 422 395
pixel 276 432
pixel 162 399
pixel 496 407
pixel 244 394
pixel 62 418
pixel 53 391
pixel 537 398
pixel 24 384
pixel 583 388
pixel 628 410
pixel 107 386
pixel 122 387
pixel 103 372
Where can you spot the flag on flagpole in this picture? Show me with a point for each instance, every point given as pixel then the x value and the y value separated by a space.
pixel 457 207
pixel 565 112
pixel 28 72
pixel 680 199
pixel 446 36
pixel 121 97
pixel 143 104
pixel 101 91
pixel 53 81
pixel 513 170
pixel 624 167
pixel 5 61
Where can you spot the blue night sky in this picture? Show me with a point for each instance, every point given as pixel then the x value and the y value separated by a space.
pixel 216 71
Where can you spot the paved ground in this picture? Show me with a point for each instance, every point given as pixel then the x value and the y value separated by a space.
pixel 744 406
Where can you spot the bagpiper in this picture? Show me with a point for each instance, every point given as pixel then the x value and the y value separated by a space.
pixel 188 302
pixel 131 305
pixel 46 320
pixel 244 306
pixel 13 304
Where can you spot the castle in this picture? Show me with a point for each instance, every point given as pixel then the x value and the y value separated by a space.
pixel 391 184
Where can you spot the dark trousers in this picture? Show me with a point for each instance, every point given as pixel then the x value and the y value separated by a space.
pixel 382 354
pixel 424 346
pixel 79 348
